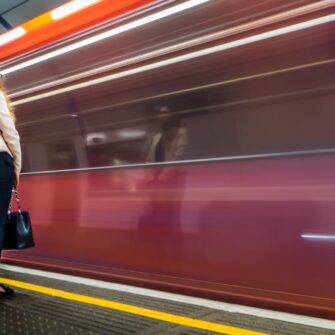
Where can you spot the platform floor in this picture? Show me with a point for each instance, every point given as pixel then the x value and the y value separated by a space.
pixel 47 303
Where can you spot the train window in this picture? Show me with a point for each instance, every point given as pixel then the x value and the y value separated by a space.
pixel 273 96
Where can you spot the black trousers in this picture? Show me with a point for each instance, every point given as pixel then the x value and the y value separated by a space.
pixel 7 177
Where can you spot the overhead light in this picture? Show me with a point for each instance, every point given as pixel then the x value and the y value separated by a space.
pixel 12 35
pixel 70 8
pixel 182 58
pixel 115 31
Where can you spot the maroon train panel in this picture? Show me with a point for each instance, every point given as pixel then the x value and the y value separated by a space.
pixel 233 230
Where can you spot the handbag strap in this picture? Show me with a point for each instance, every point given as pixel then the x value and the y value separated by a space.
pixel 14 190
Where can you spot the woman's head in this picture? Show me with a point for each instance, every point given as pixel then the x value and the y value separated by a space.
pixel 4 91
pixel 167 118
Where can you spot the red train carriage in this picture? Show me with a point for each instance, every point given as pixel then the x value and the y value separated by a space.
pixel 242 207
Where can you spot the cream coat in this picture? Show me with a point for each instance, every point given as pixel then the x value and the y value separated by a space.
pixel 175 151
pixel 10 139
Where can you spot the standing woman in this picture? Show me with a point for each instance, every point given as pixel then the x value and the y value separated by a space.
pixel 10 164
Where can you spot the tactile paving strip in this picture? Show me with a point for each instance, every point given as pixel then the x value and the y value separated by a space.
pixel 79 318
pixel 16 321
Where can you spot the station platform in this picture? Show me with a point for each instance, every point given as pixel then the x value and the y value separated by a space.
pixel 50 303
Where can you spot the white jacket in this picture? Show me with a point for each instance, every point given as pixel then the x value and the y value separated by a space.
pixel 10 139
pixel 175 151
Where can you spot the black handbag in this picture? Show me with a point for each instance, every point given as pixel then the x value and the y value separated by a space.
pixel 18 230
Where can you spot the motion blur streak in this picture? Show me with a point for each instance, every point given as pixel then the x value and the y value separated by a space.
pixel 318 237
pixel 132 25
pixel 230 81
pixel 217 84
pixel 192 55
pixel 191 43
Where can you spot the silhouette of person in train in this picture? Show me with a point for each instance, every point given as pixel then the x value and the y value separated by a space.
pixel 160 226
pixel 171 140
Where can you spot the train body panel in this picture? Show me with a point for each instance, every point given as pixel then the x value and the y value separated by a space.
pixel 239 229
pixel 194 152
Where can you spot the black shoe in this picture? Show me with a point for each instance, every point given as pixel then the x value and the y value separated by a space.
pixel 7 291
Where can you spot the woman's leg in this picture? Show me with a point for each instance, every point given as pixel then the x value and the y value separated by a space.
pixel 6 185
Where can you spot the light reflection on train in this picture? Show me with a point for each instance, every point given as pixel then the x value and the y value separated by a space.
pixel 205 174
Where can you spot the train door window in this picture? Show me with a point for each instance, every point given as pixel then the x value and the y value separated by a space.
pixel 62 155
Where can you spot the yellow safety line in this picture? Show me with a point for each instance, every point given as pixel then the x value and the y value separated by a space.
pixel 144 312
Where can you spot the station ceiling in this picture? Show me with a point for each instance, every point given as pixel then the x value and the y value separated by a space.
pixel 15 12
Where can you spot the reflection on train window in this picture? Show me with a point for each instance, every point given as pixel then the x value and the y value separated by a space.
pixel 62 155
pixel 115 148
pixel 275 96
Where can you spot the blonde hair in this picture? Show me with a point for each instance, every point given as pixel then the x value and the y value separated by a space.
pixel 9 104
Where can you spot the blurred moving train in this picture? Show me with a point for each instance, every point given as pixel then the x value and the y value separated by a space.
pixel 246 211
